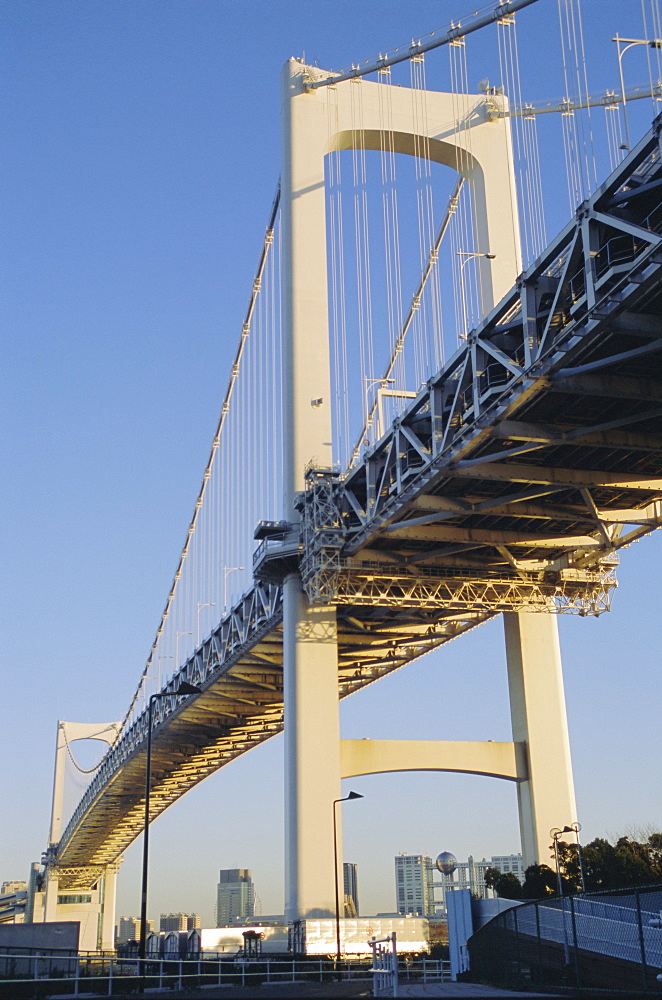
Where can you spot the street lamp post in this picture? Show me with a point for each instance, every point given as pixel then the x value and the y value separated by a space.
pixel 575 828
pixel 159 665
pixel 226 572
pixel 655 43
pixel 468 255
pixel 346 798
pixel 178 636
pixel 382 383
pixel 183 688
pixel 207 604
pixel 555 833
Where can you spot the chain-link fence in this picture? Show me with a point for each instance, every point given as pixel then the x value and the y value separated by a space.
pixel 607 939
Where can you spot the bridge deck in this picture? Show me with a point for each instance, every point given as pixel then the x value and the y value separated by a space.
pixel 509 483
pixel 240 670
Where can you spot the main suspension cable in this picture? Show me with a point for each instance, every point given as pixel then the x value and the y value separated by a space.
pixel 246 328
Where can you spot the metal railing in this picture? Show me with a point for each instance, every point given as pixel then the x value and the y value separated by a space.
pixel 23 977
pixel 608 939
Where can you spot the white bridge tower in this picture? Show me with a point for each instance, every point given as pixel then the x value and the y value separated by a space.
pixel 463 135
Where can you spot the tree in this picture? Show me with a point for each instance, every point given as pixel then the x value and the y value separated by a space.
pixel 505 884
pixel 611 866
pixel 492 876
pixel 569 867
pixel 539 881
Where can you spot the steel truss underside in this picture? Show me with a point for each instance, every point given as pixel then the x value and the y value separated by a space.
pixel 509 483
pixel 520 469
pixel 239 669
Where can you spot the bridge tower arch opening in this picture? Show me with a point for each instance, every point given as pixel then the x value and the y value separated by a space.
pixel 86 895
pixel 461 132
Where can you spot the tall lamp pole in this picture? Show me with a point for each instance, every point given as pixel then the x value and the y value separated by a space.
pixel 207 604
pixel 226 572
pixel 466 256
pixel 184 688
pixel 555 834
pixel 653 43
pixel 346 798
pixel 575 828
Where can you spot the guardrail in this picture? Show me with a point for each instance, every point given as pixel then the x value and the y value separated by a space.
pixel 610 939
pixel 26 976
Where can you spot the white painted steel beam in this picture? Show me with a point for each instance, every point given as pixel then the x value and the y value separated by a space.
pixel 496 760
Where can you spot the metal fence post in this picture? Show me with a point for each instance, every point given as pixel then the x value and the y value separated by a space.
pixel 574 940
pixel 642 946
pixel 394 959
pixel 517 951
pixel 539 940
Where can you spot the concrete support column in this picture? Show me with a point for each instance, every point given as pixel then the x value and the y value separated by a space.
pixel 315 123
pixel 50 897
pixel 312 754
pixel 546 796
pixel 310 652
pixel 35 869
pixel 58 783
pixel 107 942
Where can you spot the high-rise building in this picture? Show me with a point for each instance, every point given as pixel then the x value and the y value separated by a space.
pixel 128 929
pixel 351 887
pixel 509 863
pixel 179 922
pixel 470 874
pixel 414 887
pixel 235 896
pixel 15 885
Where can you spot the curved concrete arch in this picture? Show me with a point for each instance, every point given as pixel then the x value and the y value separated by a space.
pixel 438 150
pixel 70 732
pixel 97 916
pixel 456 131
pixel 492 759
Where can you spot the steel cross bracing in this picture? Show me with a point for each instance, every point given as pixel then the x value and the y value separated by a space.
pixel 509 483
pixel 511 480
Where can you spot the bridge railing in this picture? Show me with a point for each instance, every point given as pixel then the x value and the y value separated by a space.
pixel 258 612
pixel 586 941
pixel 569 280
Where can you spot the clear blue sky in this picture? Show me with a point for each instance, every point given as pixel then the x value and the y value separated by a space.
pixel 141 155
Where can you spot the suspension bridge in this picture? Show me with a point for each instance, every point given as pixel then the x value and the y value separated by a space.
pixel 474 432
